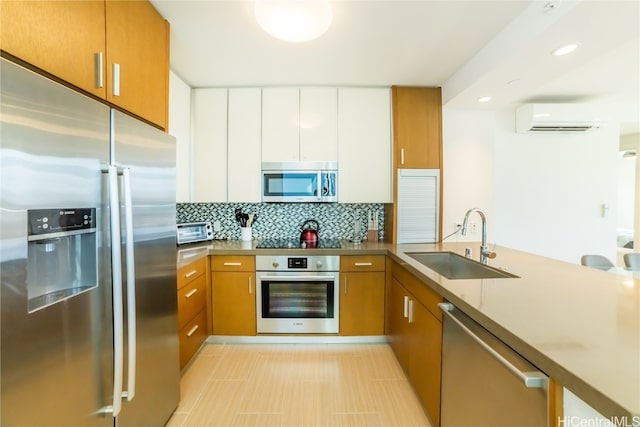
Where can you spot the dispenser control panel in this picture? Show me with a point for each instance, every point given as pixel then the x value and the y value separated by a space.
pixel 50 221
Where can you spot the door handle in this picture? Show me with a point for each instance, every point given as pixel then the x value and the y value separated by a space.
pixel 116 284
pixel 535 379
pixel 98 65
pixel 116 79
pixel 131 286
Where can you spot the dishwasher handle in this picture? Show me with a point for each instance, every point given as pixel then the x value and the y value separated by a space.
pixel 535 379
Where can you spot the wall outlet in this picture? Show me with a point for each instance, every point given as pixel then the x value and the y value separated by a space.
pixel 473 227
pixel 217 226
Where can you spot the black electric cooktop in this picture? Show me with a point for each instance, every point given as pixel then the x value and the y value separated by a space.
pixel 295 244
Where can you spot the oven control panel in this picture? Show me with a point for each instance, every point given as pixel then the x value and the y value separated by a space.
pixel 297 263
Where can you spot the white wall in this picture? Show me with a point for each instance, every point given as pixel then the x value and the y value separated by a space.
pixel 542 193
pixel 180 128
pixel 468 171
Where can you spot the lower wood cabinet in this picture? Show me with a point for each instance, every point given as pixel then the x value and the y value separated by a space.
pixel 362 290
pixel 192 308
pixel 415 331
pixel 233 295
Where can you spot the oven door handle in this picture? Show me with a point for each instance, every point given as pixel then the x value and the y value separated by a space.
pixel 301 277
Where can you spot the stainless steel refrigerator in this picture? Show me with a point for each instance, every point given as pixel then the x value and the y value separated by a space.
pixel 87 261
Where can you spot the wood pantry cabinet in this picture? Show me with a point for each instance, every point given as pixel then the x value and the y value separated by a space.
pixel 192 308
pixel 415 331
pixel 417 127
pixel 362 290
pixel 233 295
pixel 115 50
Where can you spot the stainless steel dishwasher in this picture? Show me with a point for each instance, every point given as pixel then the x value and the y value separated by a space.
pixel 484 382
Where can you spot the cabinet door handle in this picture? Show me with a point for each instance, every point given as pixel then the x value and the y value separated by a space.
pixel 410 311
pixel 250 287
pixel 116 79
pixel 406 307
pixel 190 293
pixel 232 264
pixel 191 273
pixel 402 156
pixel 98 64
pixel 192 330
pixel 363 264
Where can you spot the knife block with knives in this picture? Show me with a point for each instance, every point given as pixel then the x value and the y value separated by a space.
pixel 372 227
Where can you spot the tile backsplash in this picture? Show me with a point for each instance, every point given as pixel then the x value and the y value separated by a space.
pixel 283 220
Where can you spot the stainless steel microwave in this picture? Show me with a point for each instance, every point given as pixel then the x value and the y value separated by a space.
pixel 300 182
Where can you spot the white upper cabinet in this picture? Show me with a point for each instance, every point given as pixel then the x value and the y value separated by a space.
pixel 243 145
pixel 364 142
pixel 299 124
pixel 319 124
pixel 280 130
pixel 209 165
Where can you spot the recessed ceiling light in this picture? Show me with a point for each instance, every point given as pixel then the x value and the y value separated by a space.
pixel 484 99
pixel 294 20
pixel 564 50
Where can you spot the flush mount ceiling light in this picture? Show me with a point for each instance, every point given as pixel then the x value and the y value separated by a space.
pixel 565 50
pixel 484 99
pixel 294 20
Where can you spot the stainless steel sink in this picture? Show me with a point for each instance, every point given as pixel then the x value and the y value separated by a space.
pixel 454 266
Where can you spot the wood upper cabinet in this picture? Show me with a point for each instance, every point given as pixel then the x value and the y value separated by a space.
pixel 362 291
pixel 233 295
pixel 83 42
pixel 59 37
pixel 138 59
pixel 417 127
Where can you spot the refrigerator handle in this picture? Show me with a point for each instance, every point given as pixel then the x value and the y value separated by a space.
pixel 116 271
pixel 131 286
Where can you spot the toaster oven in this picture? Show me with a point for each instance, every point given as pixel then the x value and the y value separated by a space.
pixel 194 232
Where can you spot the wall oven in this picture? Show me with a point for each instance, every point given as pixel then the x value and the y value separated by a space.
pixel 297 294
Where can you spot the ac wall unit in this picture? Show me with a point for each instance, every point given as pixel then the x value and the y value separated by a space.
pixel 541 118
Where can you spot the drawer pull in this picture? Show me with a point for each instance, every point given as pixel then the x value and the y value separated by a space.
pixel 190 293
pixel 192 330
pixel 233 264
pixel 363 264
pixel 191 273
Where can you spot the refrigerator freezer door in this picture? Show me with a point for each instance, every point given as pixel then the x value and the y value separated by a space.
pixel 147 156
pixel 56 356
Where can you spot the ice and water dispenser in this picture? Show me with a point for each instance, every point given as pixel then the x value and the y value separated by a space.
pixel 62 254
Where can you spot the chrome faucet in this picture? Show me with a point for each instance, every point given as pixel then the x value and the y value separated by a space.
pixel 485 253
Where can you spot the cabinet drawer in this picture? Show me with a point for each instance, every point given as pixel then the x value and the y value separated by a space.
pixel 233 263
pixel 362 263
pixel 192 336
pixel 190 272
pixel 191 299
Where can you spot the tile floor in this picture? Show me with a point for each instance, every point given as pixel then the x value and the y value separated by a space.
pixel 296 385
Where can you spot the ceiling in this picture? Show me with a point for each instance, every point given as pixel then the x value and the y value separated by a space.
pixel 469 48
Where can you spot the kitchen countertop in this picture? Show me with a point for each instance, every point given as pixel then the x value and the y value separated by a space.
pixel 579 325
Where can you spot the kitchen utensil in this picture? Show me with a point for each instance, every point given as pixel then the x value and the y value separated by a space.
pixel 309 233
